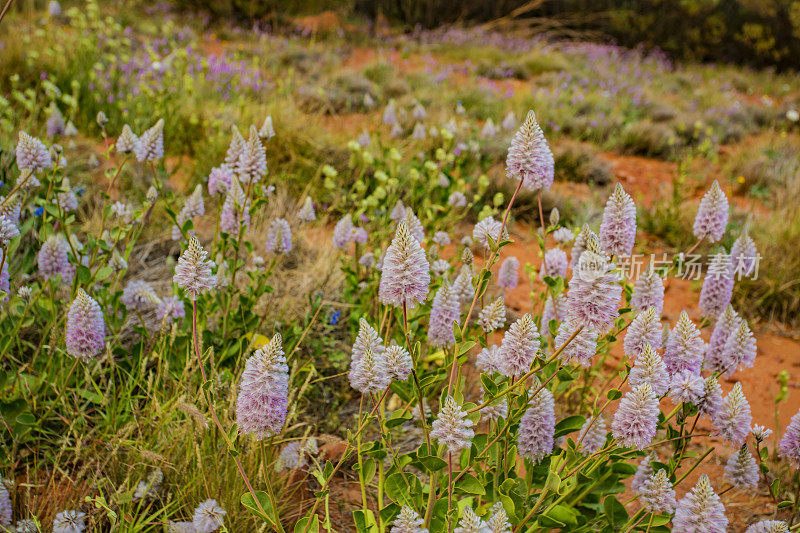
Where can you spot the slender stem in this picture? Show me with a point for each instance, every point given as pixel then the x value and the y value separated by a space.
pixel 449 487
pixel 5 8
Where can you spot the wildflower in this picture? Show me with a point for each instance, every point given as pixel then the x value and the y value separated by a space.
pixel 418 132
pixel 744 255
pixel 789 447
pixel 648 291
pixel 122 211
pixel 26 526
pixel 194 207
pixel 208 516
pixel 529 157
pixel 117 262
pixel 733 419
pixel 54 8
pixel 740 349
pixel 69 522
pixel 581 349
pixel 686 387
pixel 508 275
pixel 389 114
pixel 489 129
pixel 367 260
pixel 193 271
pixel 5 507
pixel 489 359
pixel 150 146
pixel 685 348
pixel 364 139
pixel 593 435
pixel 366 339
pixel 67 200
pixel 343 232
pixel 405 275
pixel 493 316
pixel 439 267
pixel 370 373
pixel 486 228
pixel 535 438
pixel 414 225
pixel 441 238
pixel 452 427
pixel 446 311
pixel 418 112
pixel 55 122
pixel 770 526
pixel 644 329
pixel 408 521
pixel 235 148
pixel 101 119
pixel 727 324
pixel 463 284
pixel 643 472
pixel 741 470
pixel 235 213
pixel 711 401
pixel 149 488
pixel 470 523
pixel 712 215
pixel 32 154
pixel 219 180
pixel 657 493
pixel 266 132
pixel 700 511
pixel 594 292
pixel 8 231
pixel 251 164
pixel 127 141
pixel 398 211
pixel 581 241
pixel 306 213
pixel 398 362
pixel 554 264
pixel 563 235
pixel 717 286
pixel 86 329
pixel 520 347
pixel 618 230
pixel 760 433
pixel 498 523
pixel 496 409
pixel 263 391
pixel 457 199
pixel 10 208
pixel 279 237
pixel 636 418
pixel 555 308
pixel 510 120
pixel 139 296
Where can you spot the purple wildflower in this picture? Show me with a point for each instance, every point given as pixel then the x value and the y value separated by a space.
pixel 32 154
pixel 219 180
pixel 306 212
pixel 86 329
pixel 127 141
pixel 398 362
pixel 408 521
pixel 69 522
pixel 554 312
pixel 686 387
pixel 789 447
pixel 441 238
pixel 263 391
pixel 726 325
pixel 648 291
pixel 405 275
pixel 733 419
pixel 398 211
pixel 139 296
pixel 267 131
pixel 193 271
pixel 463 284
pixel 618 230
pixel 744 255
pixel 581 349
pixel 452 427
pixel 717 286
pixel 366 339
pixel 235 212
pixel 535 437
pixel 554 264
pixel 700 511
pixel 370 375
pixel 485 229
pixel 55 122
pixel 193 208
pixel 471 523
pixel 6 516
pixel 489 359
pixel 657 494
pixel 685 347
pixel 594 292
pixel 740 349
pixel 768 526
pixel 446 311
pixel 208 517
pixel 741 469
pixel 279 237
pixel 8 231
pixel 711 401
pixel 493 316
pixel 644 329
pixel 67 200
pixel 457 199
pixel 579 246
pixel 170 308
pixel 643 472
pixel 529 157
pixel 235 148
pixel 496 409
pixel 251 165
pixel 343 232
pixel 712 215
pixel 650 368
pixel 593 435
pixel 520 347
pixel 507 276
pixel 150 146
pixel 636 418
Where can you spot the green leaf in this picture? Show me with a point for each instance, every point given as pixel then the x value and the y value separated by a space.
pixel 399 487
pixel 784 504
pixel 465 347
pixel 489 385
pixel 470 484
pixel 103 273
pixel 615 512
pixel 661 520
pixel 569 425
pixel 432 463
pixel 302 527
pixel 269 514
pixel 365 521
pixel 84 274
pixel 614 394
pixel 559 516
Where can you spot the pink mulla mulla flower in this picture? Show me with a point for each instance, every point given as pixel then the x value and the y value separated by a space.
pixel 727 323
pixel 717 286
pixel 193 271
pixel 371 375
pixel 360 236
pixel 700 511
pixel 86 328
pixel 712 215
pixel 208 517
pixel 414 225
pixel 563 236
pixel 636 418
pixel 139 296
pixel 55 124
pixel 463 285
pixel 441 238
pixel 618 229
pixel 657 493
pixel 445 311
pixel 398 211
pixel 235 212
pixel 493 316
pixel 769 526
pixel 262 401
pixel 643 472
pixel 11 208
pixel 650 368
pixel 408 521
pixel 648 291
pixel 494 410
pixel 508 275
pixel 579 246
pixel 65 196
pixel 488 227
pixel 529 157
pixel 685 348
pixel 219 180
pixel 53 259
pixel 32 154
pixel 127 140
pixel 734 417
pixel 594 291
pixel 555 308
pixel 367 260
pixel 536 434
pixel 398 362
pixel 593 435
pixel 170 308
pixel 193 208
pixel 711 401
pixel 789 446
pixel 367 338
pixel 744 255
pixel 452 427
pixel 343 232
pixel 5 279
pixel 150 146
pixel 390 114
pixel 644 329
pixel 489 360
pixel 306 212
pixel 554 264
pixel 686 387
pixel 279 237
pixel 740 349
pixel 8 231
pixel 235 148
pixel 457 199
pixel 405 276
pixel 251 165
pixel 741 469
pixel 520 346
pixel 581 349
